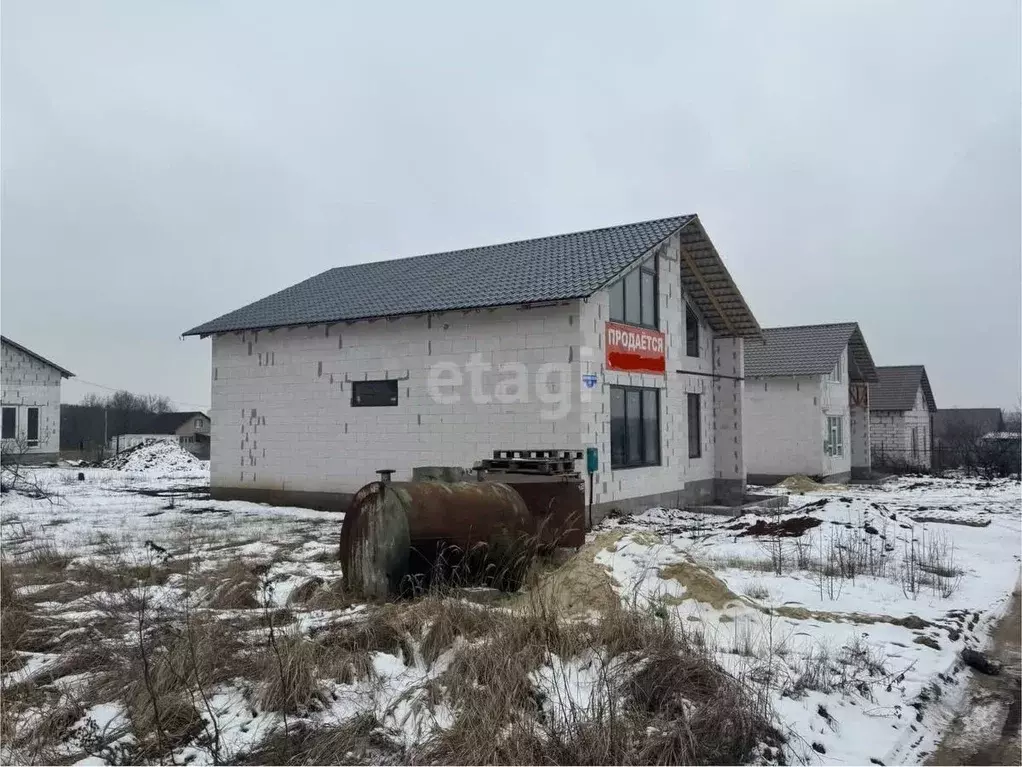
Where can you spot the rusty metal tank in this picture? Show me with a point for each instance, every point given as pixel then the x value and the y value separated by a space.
pixel 399 533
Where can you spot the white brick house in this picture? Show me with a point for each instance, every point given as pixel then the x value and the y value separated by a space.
pixel 30 400
pixel 806 405
pixel 442 359
pixel 901 417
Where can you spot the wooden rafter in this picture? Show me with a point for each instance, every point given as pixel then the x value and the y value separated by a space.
pixel 709 294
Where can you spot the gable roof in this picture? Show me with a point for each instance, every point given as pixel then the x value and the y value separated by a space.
pixel 167 423
pixel 897 387
pixel 64 373
pixel 975 421
pixel 803 350
pixel 562 267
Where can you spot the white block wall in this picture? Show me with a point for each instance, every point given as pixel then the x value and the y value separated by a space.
pixel 676 469
pixel 281 400
pixel 26 382
pixel 785 424
pixel 891 434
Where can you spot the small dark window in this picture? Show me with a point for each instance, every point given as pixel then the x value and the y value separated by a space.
pixel 32 430
pixel 695 436
pixel 373 393
pixel 10 418
pixel 634 427
pixel 633 298
pixel 691 332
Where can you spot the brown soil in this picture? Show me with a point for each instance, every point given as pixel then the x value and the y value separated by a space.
pixel 786 528
pixel 960 746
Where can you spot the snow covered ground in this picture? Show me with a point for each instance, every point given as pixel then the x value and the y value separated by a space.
pixel 881 600
pixel 853 627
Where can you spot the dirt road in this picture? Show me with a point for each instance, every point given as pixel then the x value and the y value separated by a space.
pixel 986 730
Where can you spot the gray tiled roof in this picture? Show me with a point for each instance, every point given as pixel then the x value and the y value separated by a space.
pixel 64 373
pixel 554 268
pixel 973 422
pixel 806 350
pixel 531 271
pixel 897 387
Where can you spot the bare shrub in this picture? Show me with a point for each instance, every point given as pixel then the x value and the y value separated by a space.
pixel 757 590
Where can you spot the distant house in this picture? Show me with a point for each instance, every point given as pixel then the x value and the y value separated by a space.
pixel 190 429
pixel 901 408
pixel 965 423
pixel 30 398
pixel 806 403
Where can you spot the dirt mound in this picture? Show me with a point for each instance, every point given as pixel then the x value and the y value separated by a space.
pixel 800 483
pixel 159 457
pixel 784 528
pixel 580 584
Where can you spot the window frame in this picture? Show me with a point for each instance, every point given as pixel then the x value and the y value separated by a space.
pixel 390 381
pixel 691 331
pixel 14 422
pixel 29 440
pixel 829 447
pixel 649 266
pixel 698 442
pixel 643 462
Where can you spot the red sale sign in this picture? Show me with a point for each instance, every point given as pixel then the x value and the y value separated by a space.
pixel 636 350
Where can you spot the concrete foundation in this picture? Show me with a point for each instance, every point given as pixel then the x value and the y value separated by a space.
pixel 300 498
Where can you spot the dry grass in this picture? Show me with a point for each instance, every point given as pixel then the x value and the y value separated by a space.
pixel 288 670
pixel 355 741
pixel 500 716
pixel 233 587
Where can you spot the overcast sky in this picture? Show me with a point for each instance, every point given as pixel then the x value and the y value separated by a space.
pixel 167 162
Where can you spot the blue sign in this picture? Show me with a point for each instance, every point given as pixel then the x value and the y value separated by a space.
pixel 589 380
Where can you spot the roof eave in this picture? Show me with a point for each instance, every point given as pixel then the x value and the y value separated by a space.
pixel 205 330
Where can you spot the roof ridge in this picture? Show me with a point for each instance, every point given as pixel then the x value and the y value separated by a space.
pixel 506 243
pixel 815 325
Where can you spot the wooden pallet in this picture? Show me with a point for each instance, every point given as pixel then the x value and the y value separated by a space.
pixel 562 455
pixel 546 466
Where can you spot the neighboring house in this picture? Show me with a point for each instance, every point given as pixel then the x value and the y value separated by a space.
pixel 30 398
pixel 627 339
pixel 807 403
pixel 901 408
pixel 192 431
pixel 968 424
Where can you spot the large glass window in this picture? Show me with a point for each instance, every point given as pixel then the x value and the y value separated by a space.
pixel 633 298
pixel 695 429
pixel 10 418
pixel 32 427
pixel 634 427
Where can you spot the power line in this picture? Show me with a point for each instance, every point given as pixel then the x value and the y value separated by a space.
pixel 115 389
